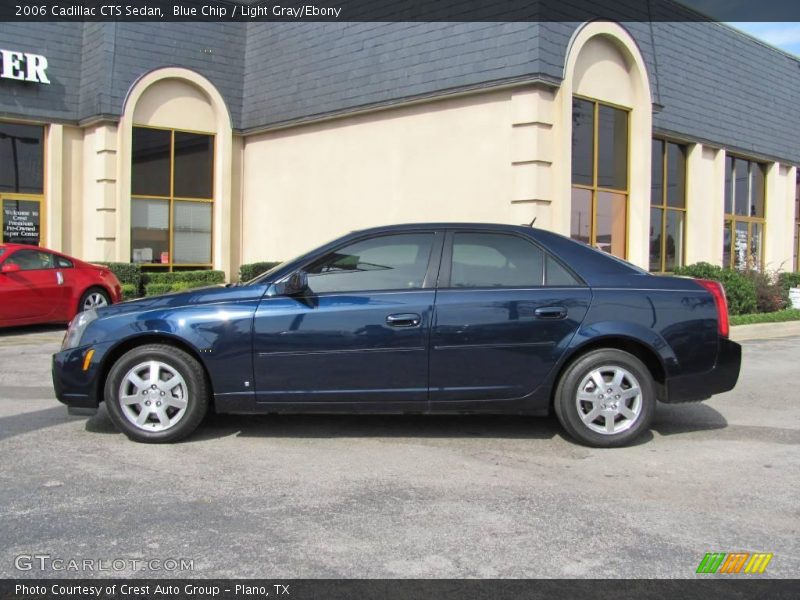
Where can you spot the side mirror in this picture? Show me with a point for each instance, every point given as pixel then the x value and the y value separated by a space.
pixel 296 284
pixel 10 268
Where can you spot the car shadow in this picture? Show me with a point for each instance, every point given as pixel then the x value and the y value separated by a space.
pixel 21 330
pixel 383 426
pixel 672 419
pixel 669 420
pixel 31 421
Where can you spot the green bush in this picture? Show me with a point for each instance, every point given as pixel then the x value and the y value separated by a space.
pixel 252 270
pixel 158 289
pixel 739 288
pixel 789 280
pixel 780 316
pixel 129 292
pixel 127 273
pixel 770 294
pixel 206 277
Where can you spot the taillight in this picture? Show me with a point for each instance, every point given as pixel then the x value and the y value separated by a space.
pixel 716 289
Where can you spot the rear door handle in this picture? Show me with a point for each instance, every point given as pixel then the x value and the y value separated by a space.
pixel 550 312
pixel 404 320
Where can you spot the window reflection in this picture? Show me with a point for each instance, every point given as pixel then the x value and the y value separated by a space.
pixel 600 183
pixel 169 167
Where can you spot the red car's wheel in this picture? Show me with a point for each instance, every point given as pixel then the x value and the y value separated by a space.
pixel 93 298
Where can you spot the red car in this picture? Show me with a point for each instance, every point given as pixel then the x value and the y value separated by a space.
pixel 43 286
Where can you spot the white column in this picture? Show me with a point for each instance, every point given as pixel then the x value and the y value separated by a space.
pixel 705 204
pixel 532 157
pixel 53 193
pixel 779 213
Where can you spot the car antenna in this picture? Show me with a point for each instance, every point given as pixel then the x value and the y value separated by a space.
pixel 532 222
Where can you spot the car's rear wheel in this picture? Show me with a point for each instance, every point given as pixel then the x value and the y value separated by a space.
pixel 93 298
pixel 156 394
pixel 606 398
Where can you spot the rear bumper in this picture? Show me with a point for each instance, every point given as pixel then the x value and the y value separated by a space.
pixel 700 386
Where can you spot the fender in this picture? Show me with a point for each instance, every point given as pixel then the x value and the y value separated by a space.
pixel 651 339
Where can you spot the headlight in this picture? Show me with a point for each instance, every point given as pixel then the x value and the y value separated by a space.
pixel 77 326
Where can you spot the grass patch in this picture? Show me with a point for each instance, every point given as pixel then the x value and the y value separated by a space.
pixel 789 314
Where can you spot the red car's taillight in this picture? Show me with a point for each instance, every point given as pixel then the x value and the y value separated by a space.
pixel 716 289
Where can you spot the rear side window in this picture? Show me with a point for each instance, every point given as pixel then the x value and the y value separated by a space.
pixel 500 260
pixel 495 260
pixel 31 260
pixel 63 263
pixel 557 275
pixel 390 262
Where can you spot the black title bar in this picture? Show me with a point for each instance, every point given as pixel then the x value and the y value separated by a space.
pixel 405 589
pixel 397 10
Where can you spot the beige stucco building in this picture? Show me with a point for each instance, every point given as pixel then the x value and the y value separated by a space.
pixel 172 170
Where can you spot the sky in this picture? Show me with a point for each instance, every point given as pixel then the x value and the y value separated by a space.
pixel 785 36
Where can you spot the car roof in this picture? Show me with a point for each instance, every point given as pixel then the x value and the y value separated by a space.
pixel 446 225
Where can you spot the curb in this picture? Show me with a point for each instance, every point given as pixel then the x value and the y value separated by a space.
pixel 765 331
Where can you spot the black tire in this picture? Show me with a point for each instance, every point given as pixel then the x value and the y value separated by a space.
pixel 194 390
pixel 89 293
pixel 570 411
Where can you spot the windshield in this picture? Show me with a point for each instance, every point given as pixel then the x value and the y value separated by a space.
pixel 260 277
pixel 2 251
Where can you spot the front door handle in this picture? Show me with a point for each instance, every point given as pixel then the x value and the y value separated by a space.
pixel 550 312
pixel 404 320
pixel 59 278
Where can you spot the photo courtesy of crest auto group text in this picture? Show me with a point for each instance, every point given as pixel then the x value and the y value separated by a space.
pixel 375 300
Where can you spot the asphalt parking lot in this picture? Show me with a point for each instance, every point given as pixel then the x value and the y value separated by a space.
pixel 402 496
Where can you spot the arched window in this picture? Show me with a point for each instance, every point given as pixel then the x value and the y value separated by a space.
pixel 599 175
pixel 172 198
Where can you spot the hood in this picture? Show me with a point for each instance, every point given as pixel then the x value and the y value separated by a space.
pixel 193 297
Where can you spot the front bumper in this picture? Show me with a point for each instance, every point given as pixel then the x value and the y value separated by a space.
pixel 79 389
pixel 700 386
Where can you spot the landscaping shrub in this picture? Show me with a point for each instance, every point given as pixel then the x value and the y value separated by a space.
pixel 789 280
pixel 158 289
pixel 129 292
pixel 770 294
pixel 206 277
pixel 251 270
pixel 127 273
pixel 739 288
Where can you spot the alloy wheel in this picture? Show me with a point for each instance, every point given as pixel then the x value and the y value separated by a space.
pixel 95 300
pixel 609 400
pixel 153 396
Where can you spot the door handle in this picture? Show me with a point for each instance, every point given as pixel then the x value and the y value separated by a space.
pixel 59 278
pixel 550 312
pixel 404 320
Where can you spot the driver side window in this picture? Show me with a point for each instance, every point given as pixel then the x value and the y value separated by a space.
pixel 389 262
pixel 31 260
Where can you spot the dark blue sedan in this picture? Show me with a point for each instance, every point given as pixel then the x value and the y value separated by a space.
pixel 432 318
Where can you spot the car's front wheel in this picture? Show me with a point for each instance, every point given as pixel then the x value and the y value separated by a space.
pixel 156 394
pixel 606 398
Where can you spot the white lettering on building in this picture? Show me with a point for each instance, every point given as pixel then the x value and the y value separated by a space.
pixel 23 66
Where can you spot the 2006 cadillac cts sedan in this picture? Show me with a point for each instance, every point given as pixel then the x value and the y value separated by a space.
pixel 422 318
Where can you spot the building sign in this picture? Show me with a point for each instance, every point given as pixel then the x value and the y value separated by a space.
pixel 23 66
pixel 21 222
